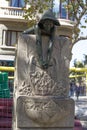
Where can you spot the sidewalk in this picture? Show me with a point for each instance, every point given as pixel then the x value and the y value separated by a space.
pixel 81 110
pixel 84 125
pixel 80 97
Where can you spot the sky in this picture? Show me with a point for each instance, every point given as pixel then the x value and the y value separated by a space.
pixel 78 51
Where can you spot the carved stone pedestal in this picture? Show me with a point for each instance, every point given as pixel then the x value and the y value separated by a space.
pixel 41 99
pixel 44 113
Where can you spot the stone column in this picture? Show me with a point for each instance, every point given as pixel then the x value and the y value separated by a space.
pixel 41 99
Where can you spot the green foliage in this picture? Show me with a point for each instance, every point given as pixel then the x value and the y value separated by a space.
pixel 86 21
pixel 79 64
pixel 77 9
pixel 83 26
pixel 34 8
pixel 85 60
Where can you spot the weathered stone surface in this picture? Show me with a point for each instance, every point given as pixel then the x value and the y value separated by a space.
pixel 45 129
pixel 32 80
pixel 41 96
pixel 44 112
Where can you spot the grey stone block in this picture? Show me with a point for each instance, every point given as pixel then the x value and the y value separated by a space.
pixel 44 112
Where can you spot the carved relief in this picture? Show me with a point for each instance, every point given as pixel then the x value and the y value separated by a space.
pixel 25 88
pixel 33 80
pixel 43 111
pixel 40 82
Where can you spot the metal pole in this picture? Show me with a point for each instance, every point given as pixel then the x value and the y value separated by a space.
pixel 4 68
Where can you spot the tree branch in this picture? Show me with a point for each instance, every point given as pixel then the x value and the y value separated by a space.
pixel 79 39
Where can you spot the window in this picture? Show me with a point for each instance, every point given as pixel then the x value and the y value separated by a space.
pixel 63 10
pixel 60 10
pixel 63 13
pixel 17 3
pixel 9 37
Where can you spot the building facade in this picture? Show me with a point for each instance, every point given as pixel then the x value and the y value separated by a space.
pixel 12 23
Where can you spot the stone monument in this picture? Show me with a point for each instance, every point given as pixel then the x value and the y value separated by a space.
pixel 41 100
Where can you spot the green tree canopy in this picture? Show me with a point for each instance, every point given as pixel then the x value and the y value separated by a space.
pixel 78 8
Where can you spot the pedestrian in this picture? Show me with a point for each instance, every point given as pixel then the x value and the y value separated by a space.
pixel 71 90
pixel 77 90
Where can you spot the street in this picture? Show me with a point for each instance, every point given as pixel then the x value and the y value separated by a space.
pixel 81 110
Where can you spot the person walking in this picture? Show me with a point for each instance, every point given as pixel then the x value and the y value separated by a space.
pixel 77 90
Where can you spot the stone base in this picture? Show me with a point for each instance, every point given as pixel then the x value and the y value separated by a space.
pixel 45 129
pixel 44 113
